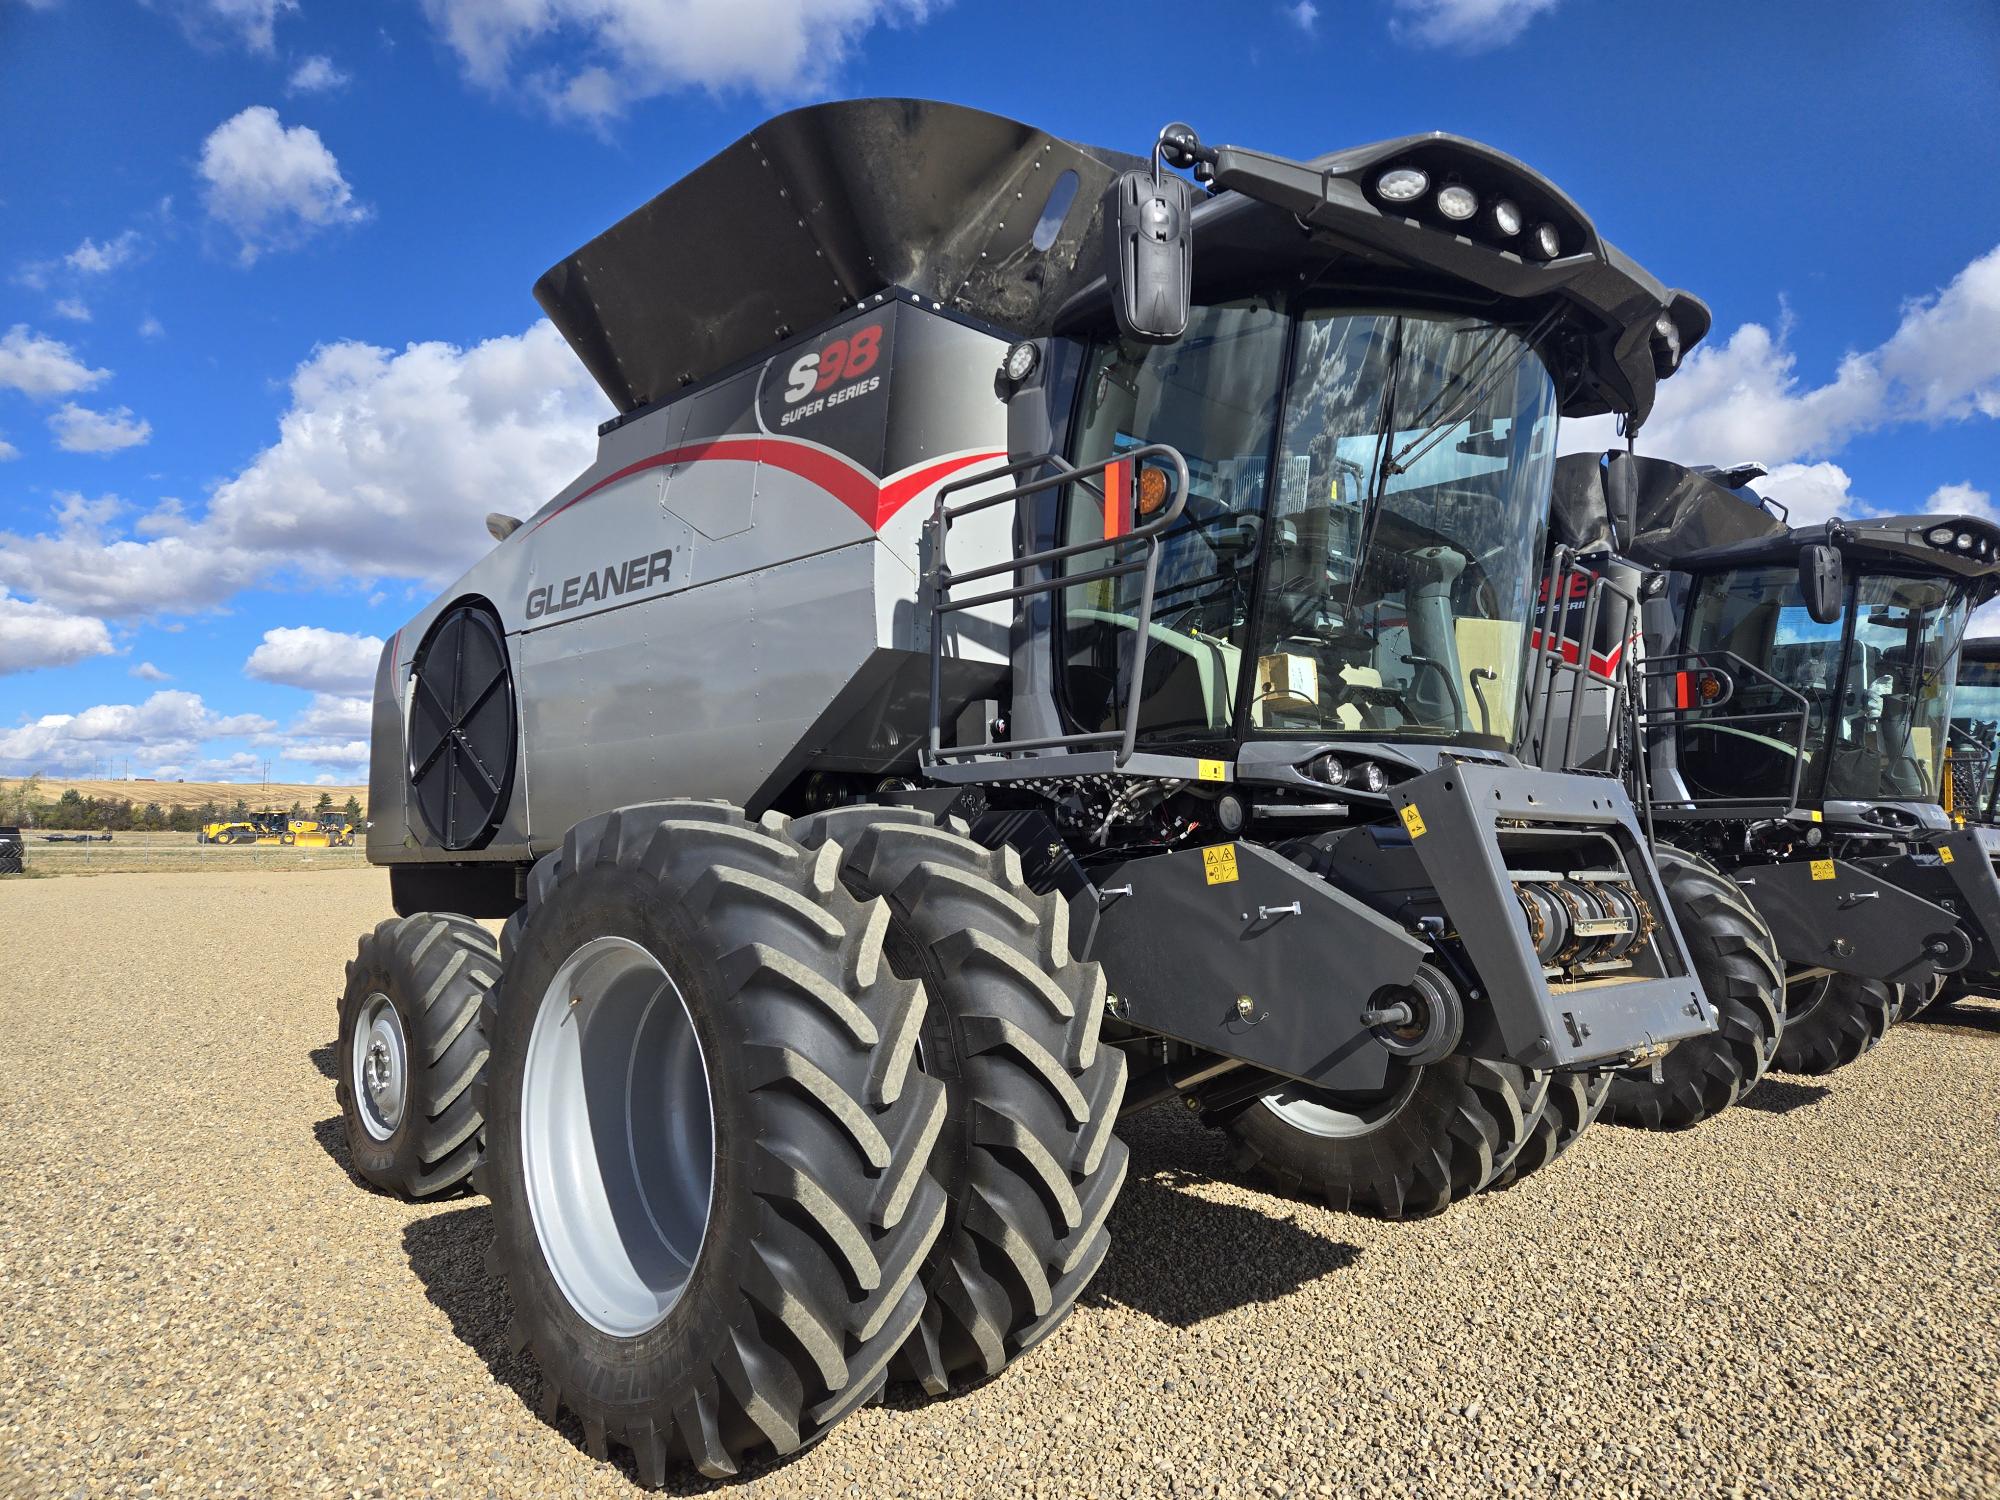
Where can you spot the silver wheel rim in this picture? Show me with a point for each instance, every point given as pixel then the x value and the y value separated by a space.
pixel 617 1136
pixel 1334 1116
pixel 380 1064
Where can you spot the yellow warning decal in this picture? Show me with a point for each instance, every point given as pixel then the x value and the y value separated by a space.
pixel 1413 820
pixel 1818 816
pixel 1822 869
pixel 1219 863
pixel 1212 770
pixel 1945 855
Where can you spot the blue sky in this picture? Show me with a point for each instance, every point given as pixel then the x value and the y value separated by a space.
pixel 268 353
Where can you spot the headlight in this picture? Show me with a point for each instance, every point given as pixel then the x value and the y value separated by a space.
pixel 1021 361
pixel 1331 770
pixel 1457 202
pixel 1547 241
pixel 1372 777
pixel 1402 184
pixel 1506 218
pixel 1965 541
pixel 1938 536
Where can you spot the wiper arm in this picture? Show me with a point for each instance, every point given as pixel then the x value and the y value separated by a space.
pixel 1491 365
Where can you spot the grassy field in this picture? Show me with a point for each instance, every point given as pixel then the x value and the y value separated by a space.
pixel 165 853
pixel 172 794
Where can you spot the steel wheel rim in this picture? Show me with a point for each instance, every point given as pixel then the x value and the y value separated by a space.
pixel 617 1136
pixel 1331 1116
pixel 379 1066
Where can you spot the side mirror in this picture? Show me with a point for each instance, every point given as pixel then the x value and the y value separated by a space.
pixel 1822 582
pixel 1149 254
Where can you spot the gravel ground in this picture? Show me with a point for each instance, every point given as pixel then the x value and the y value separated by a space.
pixel 1802 1297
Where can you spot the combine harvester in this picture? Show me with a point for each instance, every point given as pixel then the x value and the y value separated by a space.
pixel 1778 700
pixel 1042 637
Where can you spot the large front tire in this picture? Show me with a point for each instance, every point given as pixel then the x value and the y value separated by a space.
pixel 1439 1133
pixel 707 1138
pixel 1736 959
pixel 1574 1102
pixel 410 1048
pixel 1027 1155
pixel 1832 1020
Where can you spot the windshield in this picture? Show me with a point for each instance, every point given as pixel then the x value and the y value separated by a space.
pixel 1877 685
pixel 1381 531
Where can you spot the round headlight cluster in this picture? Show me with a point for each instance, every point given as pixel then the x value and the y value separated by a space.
pixel 1458 202
pixel 1360 775
pixel 1021 360
pixel 1402 185
pixel 1547 241
pixel 1506 218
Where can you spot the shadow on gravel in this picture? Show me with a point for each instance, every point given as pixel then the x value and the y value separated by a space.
pixel 322 1058
pixel 1182 1258
pixel 1775 1096
pixel 1962 1020
pixel 448 1253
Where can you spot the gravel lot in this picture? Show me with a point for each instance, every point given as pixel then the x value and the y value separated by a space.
pixel 1802 1297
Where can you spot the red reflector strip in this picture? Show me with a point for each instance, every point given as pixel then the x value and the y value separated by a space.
pixel 1683 690
pixel 1117 499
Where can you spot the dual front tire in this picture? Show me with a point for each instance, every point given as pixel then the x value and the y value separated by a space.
pixel 776 1114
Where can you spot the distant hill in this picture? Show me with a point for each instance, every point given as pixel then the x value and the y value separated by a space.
pixel 173 794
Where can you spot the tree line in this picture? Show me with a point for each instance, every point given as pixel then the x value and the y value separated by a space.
pixel 23 805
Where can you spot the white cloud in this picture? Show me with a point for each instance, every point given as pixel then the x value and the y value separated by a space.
pixel 347 753
pixel 1744 399
pixel 388 463
pixel 590 59
pixel 331 716
pixel 1464 25
pixel 38 635
pixel 169 726
pixel 152 328
pixel 147 672
pixel 84 566
pixel 385 466
pixel 251 22
pixel 305 656
pixel 81 430
pixel 316 75
pixel 37 365
pixel 1960 499
pixel 8 451
pixel 92 259
pixel 273 186
pixel 1304 15
pixel 73 308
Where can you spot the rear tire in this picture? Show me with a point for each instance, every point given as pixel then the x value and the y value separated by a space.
pixel 1027 1155
pixel 410 1047
pixel 734 1280
pixel 1736 959
pixel 1832 1020
pixel 1574 1102
pixel 1442 1132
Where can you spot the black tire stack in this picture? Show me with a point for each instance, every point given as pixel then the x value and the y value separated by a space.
pixel 1737 962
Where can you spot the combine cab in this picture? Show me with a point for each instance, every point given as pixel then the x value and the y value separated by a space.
pixel 1786 708
pixel 1045 634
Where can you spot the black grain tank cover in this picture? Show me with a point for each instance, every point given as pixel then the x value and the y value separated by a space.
pixel 815 211
pixel 1676 512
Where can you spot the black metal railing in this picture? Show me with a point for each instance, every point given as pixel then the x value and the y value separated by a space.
pixel 1550 665
pixel 1141 546
pixel 1670 667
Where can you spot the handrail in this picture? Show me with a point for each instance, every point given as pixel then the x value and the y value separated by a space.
pixel 1740 669
pixel 940 581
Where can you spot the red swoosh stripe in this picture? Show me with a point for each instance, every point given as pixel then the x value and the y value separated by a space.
pixel 873 501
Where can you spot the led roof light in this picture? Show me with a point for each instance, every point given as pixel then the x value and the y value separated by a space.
pixel 1965 541
pixel 1456 202
pixel 1506 218
pixel 1548 241
pixel 1938 536
pixel 1402 184
pixel 1021 360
